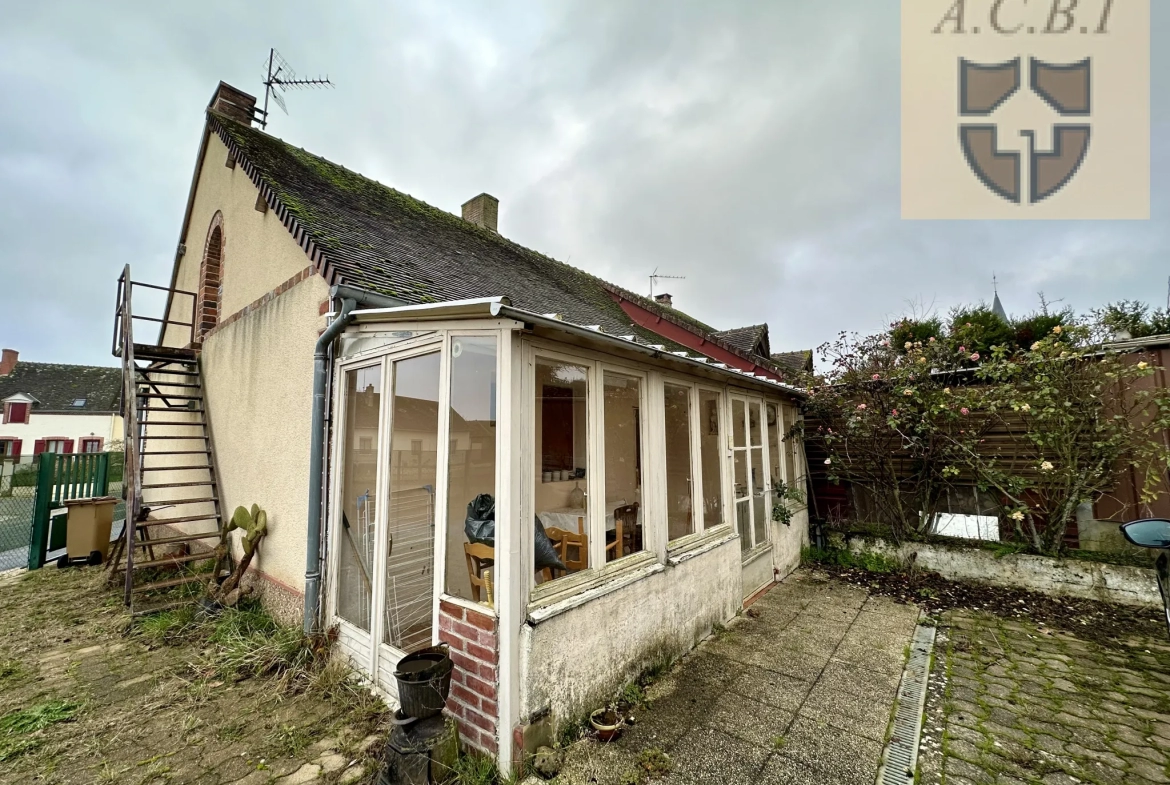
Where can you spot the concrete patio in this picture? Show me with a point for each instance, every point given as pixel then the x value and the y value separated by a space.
pixel 799 689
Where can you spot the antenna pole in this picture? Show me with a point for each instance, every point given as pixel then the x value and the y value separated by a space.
pixel 267 87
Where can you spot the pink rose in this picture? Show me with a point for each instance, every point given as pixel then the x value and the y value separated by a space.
pixel 975 357
pixel 964 410
pixel 963 349
pixel 861 406
pixel 895 412
pixel 877 377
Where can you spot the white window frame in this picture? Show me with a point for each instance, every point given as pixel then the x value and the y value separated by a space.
pixel 748 400
pixel 596 364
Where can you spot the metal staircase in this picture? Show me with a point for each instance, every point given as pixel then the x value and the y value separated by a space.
pixel 173 514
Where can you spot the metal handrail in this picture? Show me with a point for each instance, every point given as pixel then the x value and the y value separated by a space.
pixel 122 312
pixel 130 427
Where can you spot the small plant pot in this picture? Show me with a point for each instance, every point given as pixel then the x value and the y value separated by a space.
pixel 608 724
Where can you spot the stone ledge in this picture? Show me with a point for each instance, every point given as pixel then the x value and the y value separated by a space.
pixel 1057 577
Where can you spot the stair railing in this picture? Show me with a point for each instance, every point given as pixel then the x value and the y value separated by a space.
pixel 133 429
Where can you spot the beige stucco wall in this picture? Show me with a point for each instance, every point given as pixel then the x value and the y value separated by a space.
pixel 258 383
pixel 259 254
pixel 575 662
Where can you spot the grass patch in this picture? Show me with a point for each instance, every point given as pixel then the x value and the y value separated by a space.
pixel 11 671
pixel 16 727
pixel 632 695
pixel 654 762
pixel 843 557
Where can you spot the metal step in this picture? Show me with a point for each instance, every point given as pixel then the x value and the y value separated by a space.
pixel 175 397
pixel 174 560
pixel 180 519
pixel 173 502
pixel 153 485
pixel 174 468
pixel 161 383
pixel 197 424
pixel 174 540
pixel 151 353
pixel 174 452
pixel 189 438
pixel 171 583
pixel 145 371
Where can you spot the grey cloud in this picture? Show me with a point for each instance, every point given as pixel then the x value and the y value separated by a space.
pixel 752 148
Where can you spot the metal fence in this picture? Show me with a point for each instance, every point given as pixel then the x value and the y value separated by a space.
pixel 18 481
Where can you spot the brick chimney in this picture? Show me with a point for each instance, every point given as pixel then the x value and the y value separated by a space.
pixel 233 103
pixel 664 299
pixel 8 361
pixel 483 210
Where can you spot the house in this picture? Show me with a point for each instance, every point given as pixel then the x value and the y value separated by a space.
pixel 49 407
pixel 368 365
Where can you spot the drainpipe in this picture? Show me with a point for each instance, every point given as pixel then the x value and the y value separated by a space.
pixel 350 298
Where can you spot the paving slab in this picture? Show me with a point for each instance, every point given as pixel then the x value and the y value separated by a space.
pixel 797 692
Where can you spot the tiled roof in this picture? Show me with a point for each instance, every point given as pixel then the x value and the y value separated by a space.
pixel 385 241
pixel 795 361
pixel 55 388
pixel 747 338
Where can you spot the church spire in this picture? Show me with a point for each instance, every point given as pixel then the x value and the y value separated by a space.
pixel 996 305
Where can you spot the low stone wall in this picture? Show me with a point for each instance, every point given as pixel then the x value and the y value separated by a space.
pixel 1059 577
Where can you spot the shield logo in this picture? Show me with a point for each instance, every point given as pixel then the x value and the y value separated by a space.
pixel 1067 89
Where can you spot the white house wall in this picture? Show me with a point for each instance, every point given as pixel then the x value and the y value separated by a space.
pixel 68 426
pixel 258 383
pixel 576 661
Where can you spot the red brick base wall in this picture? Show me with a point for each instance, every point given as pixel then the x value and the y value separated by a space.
pixel 475 652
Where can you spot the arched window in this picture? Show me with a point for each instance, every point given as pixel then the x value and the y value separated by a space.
pixel 210 280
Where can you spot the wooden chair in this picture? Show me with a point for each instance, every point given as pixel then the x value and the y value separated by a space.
pixel 626 522
pixel 613 548
pixel 479 558
pixel 566 543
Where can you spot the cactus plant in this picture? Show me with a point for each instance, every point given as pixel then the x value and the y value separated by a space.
pixel 254 524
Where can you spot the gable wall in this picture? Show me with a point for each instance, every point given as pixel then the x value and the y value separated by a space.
pixel 259 254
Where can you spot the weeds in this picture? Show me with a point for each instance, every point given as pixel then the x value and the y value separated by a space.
pixel 632 695
pixel 473 769
pixel 843 557
pixel 11 671
pixel 16 726
pixel 654 761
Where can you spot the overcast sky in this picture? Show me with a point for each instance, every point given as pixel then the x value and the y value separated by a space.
pixel 749 146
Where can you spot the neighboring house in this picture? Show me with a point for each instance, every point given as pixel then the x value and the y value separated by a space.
pixel 57 408
pixel 456 363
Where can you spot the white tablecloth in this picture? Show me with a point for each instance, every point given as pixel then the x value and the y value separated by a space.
pixel 566 517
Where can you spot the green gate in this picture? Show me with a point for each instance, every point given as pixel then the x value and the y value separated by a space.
pixel 62 477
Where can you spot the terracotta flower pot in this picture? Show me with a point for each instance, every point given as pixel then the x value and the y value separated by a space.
pixel 608 724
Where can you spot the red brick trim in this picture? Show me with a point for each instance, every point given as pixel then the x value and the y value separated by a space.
pixel 473 639
pixel 255 305
pixel 210 290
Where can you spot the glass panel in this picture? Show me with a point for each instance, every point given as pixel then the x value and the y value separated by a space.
pixel 789 449
pixel 562 403
pixel 623 466
pixel 359 479
pixel 355 343
pixel 774 426
pixel 759 497
pixel 754 424
pixel 710 442
pixel 744 522
pixel 737 421
pixel 471 471
pixel 410 544
pixel 678 462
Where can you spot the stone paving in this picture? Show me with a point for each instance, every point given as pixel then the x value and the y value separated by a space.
pixel 1013 702
pixel 799 690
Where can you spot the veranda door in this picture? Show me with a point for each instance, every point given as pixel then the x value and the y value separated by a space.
pixel 753 491
pixel 384 541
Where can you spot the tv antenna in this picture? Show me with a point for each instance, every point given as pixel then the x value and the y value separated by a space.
pixel 655 277
pixel 281 75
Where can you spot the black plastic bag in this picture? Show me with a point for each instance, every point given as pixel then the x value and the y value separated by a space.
pixel 480 526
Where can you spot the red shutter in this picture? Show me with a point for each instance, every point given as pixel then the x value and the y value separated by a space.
pixel 38 447
pixel 17 412
pixel 16 449
pixel 68 446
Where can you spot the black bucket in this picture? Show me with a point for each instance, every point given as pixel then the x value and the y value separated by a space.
pixel 424 680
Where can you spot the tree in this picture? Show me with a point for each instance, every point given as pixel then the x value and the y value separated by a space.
pixel 891 425
pixel 1076 414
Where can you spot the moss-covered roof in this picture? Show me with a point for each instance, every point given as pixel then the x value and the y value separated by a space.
pixel 56 388
pixel 386 241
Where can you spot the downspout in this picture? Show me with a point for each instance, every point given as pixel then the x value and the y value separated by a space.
pixel 351 298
